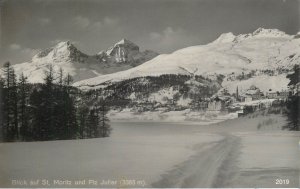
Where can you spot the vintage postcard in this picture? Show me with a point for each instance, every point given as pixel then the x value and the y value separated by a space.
pixel 149 93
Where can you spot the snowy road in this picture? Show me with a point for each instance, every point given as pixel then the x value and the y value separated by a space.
pixel 211 167
pixel 220 164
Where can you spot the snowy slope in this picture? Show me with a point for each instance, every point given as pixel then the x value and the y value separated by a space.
pixel 82 66
pixel 229 54
pixel 263 82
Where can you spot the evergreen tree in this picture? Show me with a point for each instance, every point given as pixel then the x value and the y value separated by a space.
pixel 82 117
pixel 50 111
pixel 10 121
pixel 293 103
pixel 42 105
pixel 93 123
pixel 59 112
pixel 35 101
pixel 69 109
pixel 68 80
pixel 294 77
pixel 14 99
pixel 6 121
pixel 104 126
pixel 1 109
pixel 23 92
pixel 60 77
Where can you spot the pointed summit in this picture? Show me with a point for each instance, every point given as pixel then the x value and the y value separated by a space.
pixel 63 43
pixel 126 52
pixel 225 37
pixel 124 42
pixel 122 49
pixel 64 50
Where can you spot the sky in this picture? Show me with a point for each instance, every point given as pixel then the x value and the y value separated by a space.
pixel 27 26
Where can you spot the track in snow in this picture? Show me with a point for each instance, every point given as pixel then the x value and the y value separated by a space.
pixel 214 166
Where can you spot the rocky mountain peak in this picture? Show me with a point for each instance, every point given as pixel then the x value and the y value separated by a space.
pixel 269 32
pixel 64 50
pixel 126 51
pixel 125 42
pixel 122 48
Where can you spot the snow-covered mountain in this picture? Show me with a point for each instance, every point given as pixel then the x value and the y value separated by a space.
pixel 126 52
pixel 262 58
pixel 122 56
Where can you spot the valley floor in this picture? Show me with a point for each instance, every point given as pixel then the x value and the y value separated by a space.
pixel 249 151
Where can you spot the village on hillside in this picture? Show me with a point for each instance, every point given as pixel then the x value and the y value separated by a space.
pixel 242 103
pixel 251 100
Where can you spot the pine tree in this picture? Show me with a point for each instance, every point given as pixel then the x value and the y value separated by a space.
pixel 294 78
pixel 95 126
pixel 293 103
pixel 82 117
pixel 59 107
pixel 91 124
pixel 36 114
pixel 69 109
pixel 14 99
pixel 10 114
pixel 1 109
pixel 104 126
pixel 43 108
pixel 23 92
pixel 6 123
pixel 60 77
pixel 68 80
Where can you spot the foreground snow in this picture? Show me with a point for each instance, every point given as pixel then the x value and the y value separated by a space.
pixel 243 152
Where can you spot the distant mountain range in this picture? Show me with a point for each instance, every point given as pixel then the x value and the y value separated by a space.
pixel 121 56
pixel 262 58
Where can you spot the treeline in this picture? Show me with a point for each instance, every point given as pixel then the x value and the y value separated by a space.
pixel 49 111
pixel 117 94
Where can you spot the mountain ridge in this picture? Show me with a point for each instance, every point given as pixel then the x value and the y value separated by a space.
pixel 80 65
pixel 261 50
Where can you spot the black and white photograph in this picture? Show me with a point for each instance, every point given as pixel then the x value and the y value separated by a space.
pixel 149 93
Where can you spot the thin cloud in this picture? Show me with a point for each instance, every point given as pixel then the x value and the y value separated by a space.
pixel 56 41
pixel 81 22
pixel 29 52
pixel 14 46
pixel 44 21
pixel 110 21
pixel 87 24
pixel 22 51
pixel 171 39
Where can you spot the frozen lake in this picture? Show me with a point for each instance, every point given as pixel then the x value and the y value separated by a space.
pixel 234 153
